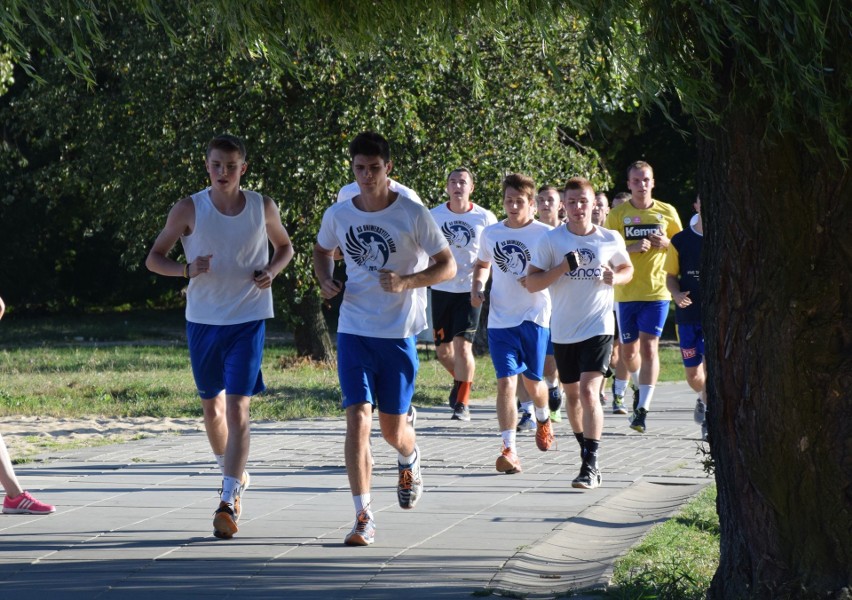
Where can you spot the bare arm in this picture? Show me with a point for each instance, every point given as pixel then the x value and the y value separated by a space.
pixel 323 259
pixel 2 308
pixel 180 222
pixel 442 266
pixel 539 279
pixel 681 299
pixel 481 272
pixel 282 249
pixel 618 275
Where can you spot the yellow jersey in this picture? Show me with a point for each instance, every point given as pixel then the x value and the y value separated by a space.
pixel 649 275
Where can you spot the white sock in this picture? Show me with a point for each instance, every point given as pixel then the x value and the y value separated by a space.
pixel 618 387
pixel 552 383
pixel 220 460
pixel 635 376
pixel 646 393
pixel 508 438
pixel 527 406
pixel 362 502
pixel 407 460
pixel 229 486
pixel 542 414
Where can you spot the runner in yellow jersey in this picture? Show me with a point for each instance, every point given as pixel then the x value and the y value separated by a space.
pixel 647 226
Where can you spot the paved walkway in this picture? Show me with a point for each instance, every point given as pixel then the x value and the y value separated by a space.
pixel 134 520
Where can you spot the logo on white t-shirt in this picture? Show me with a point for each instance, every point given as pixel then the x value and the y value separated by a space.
pixel 369 246
pixel 511 256
pixel 458 233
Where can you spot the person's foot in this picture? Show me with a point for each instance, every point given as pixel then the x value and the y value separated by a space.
pixel 25 504
pixel 411 417
pixel 245 481
pixel 410 485
pixel 554 398
pixel 526 422
pixel 544 435
pixel 461 412
pixel 363 532
pixel 588 479
pixel 618 407
pixel 638 422
pixel 508 462
pixel 224 522
pixel 454 395
pixel 698 411
pixel 635 398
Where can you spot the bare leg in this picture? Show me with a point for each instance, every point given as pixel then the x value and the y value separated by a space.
pixel 359 421
pixel 238 435
pixel 7 473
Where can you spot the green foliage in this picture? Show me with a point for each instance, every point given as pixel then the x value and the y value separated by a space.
pixel 92 172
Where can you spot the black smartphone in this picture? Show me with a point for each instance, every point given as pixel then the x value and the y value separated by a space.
pixel 573 260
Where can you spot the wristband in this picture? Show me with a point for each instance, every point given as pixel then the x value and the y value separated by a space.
pixel 186 270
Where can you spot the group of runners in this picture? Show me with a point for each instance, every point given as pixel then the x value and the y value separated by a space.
pixel 554 282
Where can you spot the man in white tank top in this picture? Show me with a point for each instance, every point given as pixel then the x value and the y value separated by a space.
pixel 225 232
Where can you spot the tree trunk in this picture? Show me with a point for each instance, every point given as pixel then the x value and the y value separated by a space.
pixel 778 287
pixel 311 332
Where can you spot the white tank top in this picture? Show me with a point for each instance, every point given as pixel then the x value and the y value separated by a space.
pixel 226 295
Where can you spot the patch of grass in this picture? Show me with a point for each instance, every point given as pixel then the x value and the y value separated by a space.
pixel 677 559
pixel 46 371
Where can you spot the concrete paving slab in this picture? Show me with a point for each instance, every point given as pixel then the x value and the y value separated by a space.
pixel 135 520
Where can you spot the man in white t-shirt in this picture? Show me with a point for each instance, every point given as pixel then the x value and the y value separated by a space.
pixel 518 322
pixel 225 232
pixel 580 263
pixel 385 238
pixel 454 319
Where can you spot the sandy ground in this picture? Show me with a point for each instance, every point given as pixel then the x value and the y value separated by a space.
pixel 29 436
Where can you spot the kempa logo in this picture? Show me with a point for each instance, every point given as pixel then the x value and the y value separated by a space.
pixel 458 233
pixel 511 256
pixel 369 246
pixel 638 232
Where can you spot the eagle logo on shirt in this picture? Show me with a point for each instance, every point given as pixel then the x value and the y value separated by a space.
pixel 369 246
pixel 457 233
pixel 511 258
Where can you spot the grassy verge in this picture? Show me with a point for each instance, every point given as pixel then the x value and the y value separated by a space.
pixel 676 560
pixel 135 364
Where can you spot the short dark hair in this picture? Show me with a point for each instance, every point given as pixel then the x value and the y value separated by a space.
pixel 546 188
pixel 461 170
pixel 227 143
pixel 520 182
pixel 369 143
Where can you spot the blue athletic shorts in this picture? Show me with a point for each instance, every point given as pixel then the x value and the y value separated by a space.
pixel 519 349
pixel 227 357
pixel 647 317
pixel 380 371
pixel 690 336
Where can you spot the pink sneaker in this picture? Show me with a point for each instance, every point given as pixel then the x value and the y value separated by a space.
pixel 25 504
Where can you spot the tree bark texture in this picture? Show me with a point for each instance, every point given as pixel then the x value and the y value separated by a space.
pixel 311 334
pixel 777 275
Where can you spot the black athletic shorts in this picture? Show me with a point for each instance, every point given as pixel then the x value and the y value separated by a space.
pixel 583 357
pixel 453 316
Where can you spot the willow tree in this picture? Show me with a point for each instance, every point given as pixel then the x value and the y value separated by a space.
pixel 768 85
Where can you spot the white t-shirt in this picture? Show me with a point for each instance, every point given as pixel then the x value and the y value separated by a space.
pixel 463 233
pixel 510 251
pixel 582 303
pixel 350 190
pixel 400 238
pixel 227 295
